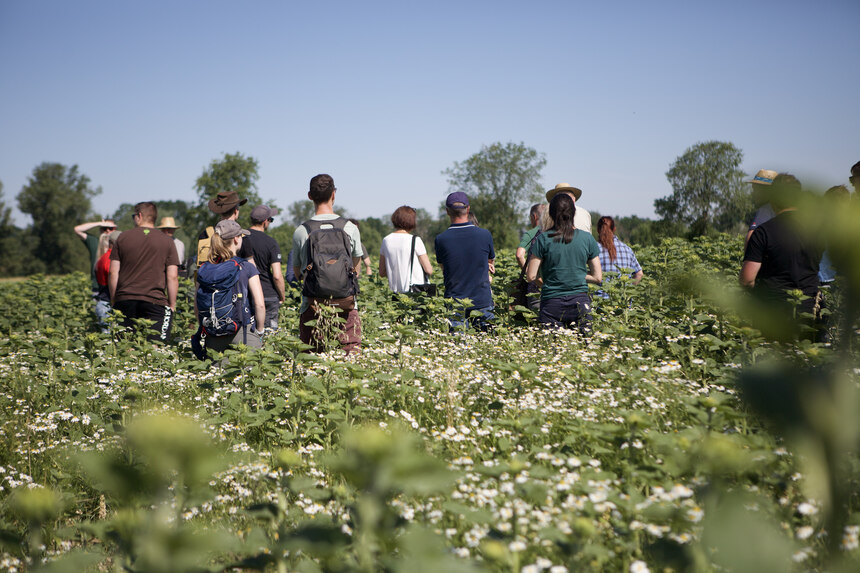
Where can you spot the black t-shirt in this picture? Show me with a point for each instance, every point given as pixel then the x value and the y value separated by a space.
pixel 788 260
pixel 265 251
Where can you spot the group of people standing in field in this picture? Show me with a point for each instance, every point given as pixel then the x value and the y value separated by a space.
pixel 779 259
pixel 240 277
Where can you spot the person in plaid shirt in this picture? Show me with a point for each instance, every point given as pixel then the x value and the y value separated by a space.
pixel 615 255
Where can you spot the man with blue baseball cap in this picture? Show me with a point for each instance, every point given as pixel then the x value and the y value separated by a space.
pixel 466 254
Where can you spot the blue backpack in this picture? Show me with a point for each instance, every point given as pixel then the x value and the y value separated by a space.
pixel 222 299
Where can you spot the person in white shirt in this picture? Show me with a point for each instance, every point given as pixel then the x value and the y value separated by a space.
pixel 582 219
pixel 394 257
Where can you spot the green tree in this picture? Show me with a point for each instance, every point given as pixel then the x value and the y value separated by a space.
pixel 283 234
pixel 708 189
pixel 373 230
pixel 298 212
pixel 8 248
pixel 233 172
pixel 57 197
pixel 501 180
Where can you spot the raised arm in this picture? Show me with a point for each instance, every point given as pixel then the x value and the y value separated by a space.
pixel 81 230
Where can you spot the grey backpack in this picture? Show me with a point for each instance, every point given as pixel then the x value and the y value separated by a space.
pixel 329 272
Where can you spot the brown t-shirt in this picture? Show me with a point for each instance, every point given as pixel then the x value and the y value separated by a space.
pixel 144 255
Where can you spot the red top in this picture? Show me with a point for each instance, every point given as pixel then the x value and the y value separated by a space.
pixel 103 268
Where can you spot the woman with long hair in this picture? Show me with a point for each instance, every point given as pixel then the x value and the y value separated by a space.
pixel 225 244
pixel 568 259
pixel 615 256
pixel 403 256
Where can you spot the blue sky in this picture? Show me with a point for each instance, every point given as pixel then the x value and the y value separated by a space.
pixel 385 95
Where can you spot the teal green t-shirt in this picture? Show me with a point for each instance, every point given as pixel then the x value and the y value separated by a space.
pixel 92 243
pixel 527 237
pixel 564 266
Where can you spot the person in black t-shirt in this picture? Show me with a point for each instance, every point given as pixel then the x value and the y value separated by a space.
pixel 266 255
pixel 779 258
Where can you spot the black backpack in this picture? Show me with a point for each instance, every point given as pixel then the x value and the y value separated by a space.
pixel 329 272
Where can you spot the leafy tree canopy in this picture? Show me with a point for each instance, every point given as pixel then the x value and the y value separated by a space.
pixel 500 180
pixel 57 198
pixel 707 189
pixel 233 172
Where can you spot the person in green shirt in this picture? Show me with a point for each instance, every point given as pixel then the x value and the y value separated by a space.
pixel 522 254
pixel 567 260
pixel 535 214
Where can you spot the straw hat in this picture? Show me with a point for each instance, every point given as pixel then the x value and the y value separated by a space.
pixel 168 223
pixel 763 177
pixel 563 187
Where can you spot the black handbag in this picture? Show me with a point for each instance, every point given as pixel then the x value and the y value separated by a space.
pixel 427 287
pixel 521 287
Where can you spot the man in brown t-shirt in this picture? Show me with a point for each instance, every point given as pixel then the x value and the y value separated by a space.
pixel 143 277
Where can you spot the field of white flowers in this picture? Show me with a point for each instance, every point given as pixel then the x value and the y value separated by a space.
pixel 673 439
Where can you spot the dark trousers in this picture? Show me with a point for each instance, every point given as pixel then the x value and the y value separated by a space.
pixel 161 314
pixel 573 311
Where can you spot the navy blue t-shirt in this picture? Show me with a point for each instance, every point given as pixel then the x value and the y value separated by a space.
pixel 464 251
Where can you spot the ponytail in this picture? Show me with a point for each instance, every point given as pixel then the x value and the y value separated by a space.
pixel 606 235
pixel 220 249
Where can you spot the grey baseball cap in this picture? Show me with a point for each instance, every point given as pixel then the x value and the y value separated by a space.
pixel 262 212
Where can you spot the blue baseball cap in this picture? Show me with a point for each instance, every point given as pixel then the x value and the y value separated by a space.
pixel 457 200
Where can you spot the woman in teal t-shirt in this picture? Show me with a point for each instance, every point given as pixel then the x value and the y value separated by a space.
pixel 568 259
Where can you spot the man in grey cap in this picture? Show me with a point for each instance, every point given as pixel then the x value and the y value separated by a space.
pixel 265 252
pixel 582 218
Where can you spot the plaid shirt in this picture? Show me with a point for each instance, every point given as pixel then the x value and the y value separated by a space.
pixel 624 258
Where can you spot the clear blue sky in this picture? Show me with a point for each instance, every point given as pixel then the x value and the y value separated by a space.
pixel 385 95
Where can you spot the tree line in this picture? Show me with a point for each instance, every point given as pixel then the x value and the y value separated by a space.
pixel 502 181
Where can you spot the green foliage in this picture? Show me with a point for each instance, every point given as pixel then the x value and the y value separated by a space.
pixel 57 197
pixel 298 212
pixel 671 437
pixel 500 181
pixel 8 240
pixel 233 172
pixel 707 189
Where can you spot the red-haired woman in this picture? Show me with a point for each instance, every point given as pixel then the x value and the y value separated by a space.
pixel 615 255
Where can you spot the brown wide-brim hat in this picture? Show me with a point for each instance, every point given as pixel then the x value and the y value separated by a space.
pixel 567 187
pixel 225 202
pixel 168 223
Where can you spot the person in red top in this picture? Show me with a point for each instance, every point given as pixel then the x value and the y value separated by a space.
pixel 102 272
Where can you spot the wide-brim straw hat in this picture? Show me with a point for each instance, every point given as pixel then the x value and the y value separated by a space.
pixel 763 177
pixel 567 187
pixel 168 223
